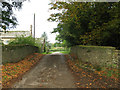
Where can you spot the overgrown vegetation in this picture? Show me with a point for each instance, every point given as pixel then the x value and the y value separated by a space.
pixel 26 41
pixel 23 40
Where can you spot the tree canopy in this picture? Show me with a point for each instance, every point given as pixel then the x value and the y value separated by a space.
pixel 87 23
pixel 7 16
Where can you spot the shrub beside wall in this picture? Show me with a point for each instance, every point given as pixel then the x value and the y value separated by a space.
pixel 97 55
pixel 16 53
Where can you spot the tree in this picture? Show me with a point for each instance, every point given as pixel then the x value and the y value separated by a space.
pixel 8 18
pixel 44 36
pixel 88 23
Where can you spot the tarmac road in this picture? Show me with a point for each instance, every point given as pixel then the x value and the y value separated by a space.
pixel 50 72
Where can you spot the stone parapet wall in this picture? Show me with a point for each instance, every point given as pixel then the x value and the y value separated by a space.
pixel 103 56
pixel 16 53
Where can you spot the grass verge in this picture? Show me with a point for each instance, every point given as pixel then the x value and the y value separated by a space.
pixel 47 53
pixel 64 52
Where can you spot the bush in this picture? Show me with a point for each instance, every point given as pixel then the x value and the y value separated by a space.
pixel 26 41
pixel 23 40
pixel 1 43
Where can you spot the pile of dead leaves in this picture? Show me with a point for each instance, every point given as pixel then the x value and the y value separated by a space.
pixel 12 71
pixel 85 78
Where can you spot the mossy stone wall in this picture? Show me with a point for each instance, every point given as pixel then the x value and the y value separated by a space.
pixel 103 56
pixel 16 53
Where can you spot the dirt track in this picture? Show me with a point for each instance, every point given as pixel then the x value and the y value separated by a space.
pixel 50 72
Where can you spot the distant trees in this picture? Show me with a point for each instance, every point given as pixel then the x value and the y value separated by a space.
pixel 90 23
pixel 45 46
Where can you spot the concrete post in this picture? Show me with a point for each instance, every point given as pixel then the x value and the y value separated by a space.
pixel 31 29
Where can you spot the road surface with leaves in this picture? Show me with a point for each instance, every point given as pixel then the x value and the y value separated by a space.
pixel 50 72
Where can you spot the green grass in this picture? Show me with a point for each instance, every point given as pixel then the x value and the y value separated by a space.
pixel 65 52
pixel 47 53
pixel 58 49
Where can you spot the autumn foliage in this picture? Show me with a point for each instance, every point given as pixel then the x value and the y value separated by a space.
pixel 13 71
pixel 89 77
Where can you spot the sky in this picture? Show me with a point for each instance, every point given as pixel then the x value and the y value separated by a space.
pixel 25 18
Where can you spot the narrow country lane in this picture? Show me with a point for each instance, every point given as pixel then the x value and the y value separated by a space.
pixel 50 72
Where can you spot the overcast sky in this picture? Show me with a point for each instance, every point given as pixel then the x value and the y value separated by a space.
pixel 41 9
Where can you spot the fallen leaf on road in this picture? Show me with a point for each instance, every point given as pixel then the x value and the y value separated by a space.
pixel 11 71
pixel 77 83
pixel 90 84
pixel 40 85
pixel 43 80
